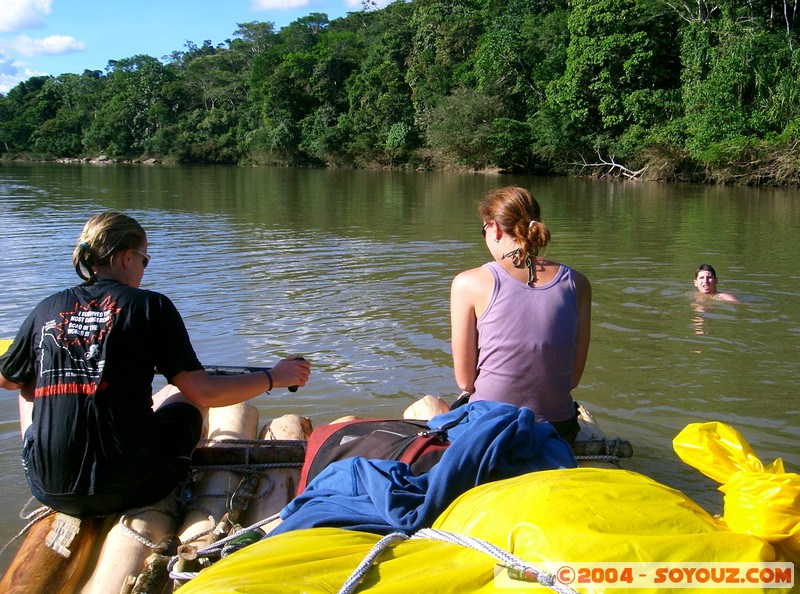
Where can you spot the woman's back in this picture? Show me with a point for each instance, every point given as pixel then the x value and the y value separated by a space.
pixel 520 326
pixel 526 343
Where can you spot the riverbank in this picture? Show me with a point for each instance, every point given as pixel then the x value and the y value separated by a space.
pixel 748 162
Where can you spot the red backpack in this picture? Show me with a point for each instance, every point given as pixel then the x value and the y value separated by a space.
pixel 404 440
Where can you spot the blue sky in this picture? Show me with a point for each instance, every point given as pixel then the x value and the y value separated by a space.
pixel 39 37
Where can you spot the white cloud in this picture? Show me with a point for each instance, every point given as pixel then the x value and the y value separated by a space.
pixel 258 5
pixel 55 45
pixel 17 15
pixel 12 73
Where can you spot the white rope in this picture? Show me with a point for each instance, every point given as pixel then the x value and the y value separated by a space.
pixel 221 542
pixel 37 513
pixel 128 531
pixel 214 548
pixel 33 517
pixel 521 568
pixel 183 576
pixel 506 559
pixel 355 578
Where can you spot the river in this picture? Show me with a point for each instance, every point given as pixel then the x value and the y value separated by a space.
pixel 352 270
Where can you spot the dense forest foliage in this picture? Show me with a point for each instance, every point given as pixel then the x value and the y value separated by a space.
pixel 651 89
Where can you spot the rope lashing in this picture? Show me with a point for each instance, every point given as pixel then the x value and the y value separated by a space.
pixel 248 442
pixel 128 531
pixel 246 468
pixel 215 548
pixel 611 452
pixel 33 517
pixel 598 458
pixel 506 559
pixel 355 578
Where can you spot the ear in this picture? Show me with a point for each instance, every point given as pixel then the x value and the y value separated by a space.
pixel 127 259
pixel 498 232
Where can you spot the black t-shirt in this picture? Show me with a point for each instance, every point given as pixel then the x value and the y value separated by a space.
pixel 92 350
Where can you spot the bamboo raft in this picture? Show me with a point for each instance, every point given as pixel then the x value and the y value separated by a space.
pixel 241 477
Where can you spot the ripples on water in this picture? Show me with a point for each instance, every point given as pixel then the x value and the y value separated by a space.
pixel 352 270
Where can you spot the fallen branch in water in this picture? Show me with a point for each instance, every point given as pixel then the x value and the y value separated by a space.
pixel 614 169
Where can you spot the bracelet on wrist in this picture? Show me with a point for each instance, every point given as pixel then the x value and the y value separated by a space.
pixel 269 377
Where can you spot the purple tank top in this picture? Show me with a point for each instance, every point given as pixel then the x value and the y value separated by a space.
pixel 526 344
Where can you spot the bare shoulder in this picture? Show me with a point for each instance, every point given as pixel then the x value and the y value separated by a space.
pixel 470 278
pixel 582 285
pixel 726 297
pixel 546 270
pixel 581 279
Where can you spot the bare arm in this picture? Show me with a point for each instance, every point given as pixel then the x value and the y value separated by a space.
pixel 206 391
pixel 25 408
pixel 584 294
pixel 8 385
pixel 26 397
pixel 464 331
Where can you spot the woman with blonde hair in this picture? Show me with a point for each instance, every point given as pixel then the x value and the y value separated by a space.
pixel 95 439
pixel 520 324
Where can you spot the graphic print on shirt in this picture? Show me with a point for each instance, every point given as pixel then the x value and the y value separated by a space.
pixel 73 348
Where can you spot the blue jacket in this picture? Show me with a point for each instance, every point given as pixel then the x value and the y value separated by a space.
pixel 494 441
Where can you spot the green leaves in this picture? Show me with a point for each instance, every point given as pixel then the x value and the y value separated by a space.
pixel 523 85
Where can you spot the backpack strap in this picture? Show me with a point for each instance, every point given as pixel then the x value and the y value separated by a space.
pixel 441 431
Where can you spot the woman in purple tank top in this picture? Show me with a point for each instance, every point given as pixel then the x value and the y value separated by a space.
pixel 520 324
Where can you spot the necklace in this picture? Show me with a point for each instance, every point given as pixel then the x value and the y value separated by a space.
pixel 516 261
